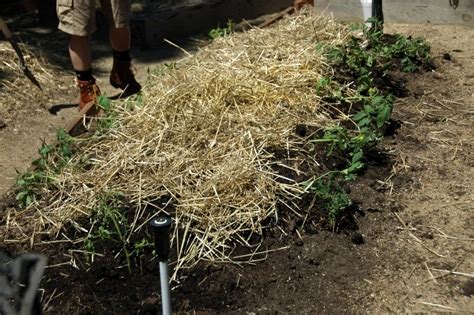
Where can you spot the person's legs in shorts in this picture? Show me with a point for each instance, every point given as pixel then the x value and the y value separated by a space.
pixel 77 18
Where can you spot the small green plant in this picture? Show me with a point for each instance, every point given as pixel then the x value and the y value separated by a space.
pixel 109 224
pixel 161 70
pixel 64 148
pixel 323 84
pixel 221 32
pixel 361 63
pixel 50 162
pixel 362 59
pixel 109 120
pixel 352 144
pixel 333 199
pixel 30 185
pixel 140 246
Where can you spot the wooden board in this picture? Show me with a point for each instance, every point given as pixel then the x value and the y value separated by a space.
pixel 404 11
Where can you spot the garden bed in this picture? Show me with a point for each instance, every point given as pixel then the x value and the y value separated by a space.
pixel 268 134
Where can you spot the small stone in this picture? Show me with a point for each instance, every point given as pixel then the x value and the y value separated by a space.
pixel 299 242
pixel 3 124
pixel 357 238
pixel 447 56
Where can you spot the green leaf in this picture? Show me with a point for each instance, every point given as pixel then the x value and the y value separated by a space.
pixel 384 114
pixel 357 156
pixel 320 46
pixel 104 102
pixel 29 199
pixel 364 122
pixel 377 100
pixel 369 109
pixel 370 61
pixel 323 82
pixel 359 116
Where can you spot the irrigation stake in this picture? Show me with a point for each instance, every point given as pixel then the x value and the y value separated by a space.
pixel 161 227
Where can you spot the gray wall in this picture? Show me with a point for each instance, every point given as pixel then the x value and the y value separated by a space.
pixel 405 11
pixel 160 19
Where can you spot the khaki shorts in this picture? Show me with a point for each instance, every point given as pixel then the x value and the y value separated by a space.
pixel 77 17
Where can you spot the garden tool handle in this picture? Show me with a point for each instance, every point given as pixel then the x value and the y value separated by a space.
pixel 161 227
pixel 9 36
pixel 5 30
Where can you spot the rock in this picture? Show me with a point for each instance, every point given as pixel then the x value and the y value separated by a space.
pixel 357 238
pixel 3 124
pixel 299 242
pixel 447 56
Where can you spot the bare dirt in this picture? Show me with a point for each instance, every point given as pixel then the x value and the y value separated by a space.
pixel 411 251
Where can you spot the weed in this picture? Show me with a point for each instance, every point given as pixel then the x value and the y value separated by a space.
pixel 109 120
pixel 140 247
pixel 333 198
pixel 221 32
pixel 109 223
pixel 161 70
pixel 50 162
pixel 30 185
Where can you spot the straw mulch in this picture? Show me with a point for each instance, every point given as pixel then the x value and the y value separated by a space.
pixel 17 93
pixel 204 136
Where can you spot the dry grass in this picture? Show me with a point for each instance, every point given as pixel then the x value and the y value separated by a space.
pixel 204 136
pixel 16 89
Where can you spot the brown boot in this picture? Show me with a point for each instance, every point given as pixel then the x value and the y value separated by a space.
pixel 89 92
pixel 122 77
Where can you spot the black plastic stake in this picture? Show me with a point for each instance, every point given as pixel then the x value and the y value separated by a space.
pixel 161 227
pixel 377 13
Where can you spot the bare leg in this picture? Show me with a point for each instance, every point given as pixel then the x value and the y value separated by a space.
pixel 122 75
pixel 119 38
pixel 80 52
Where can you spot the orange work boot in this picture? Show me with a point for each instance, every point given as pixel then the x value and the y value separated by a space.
pixel 122 77
pixel 89 92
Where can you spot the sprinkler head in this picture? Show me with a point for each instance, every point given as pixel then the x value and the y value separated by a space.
pixel 161 226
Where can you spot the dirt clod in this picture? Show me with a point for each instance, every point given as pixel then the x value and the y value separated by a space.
pixel 357 238
pixel 468 288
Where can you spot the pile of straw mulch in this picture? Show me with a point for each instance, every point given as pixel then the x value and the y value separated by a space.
pixel 17 94
pixel 204 136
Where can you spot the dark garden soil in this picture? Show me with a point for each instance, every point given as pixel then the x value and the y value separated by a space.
pixel 411 225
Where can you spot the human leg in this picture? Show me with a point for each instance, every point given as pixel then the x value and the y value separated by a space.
pixel 118 16
pixel 80 52
pixel 78 20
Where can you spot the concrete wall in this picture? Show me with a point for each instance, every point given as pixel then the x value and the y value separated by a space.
pixel 405 11
pixel 181 18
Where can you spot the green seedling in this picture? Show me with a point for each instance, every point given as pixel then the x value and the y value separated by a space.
pixel 30 185
pixel 109 224
pixel 333 198
pixel 50 162
pixel 221 32
pixel 109 120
